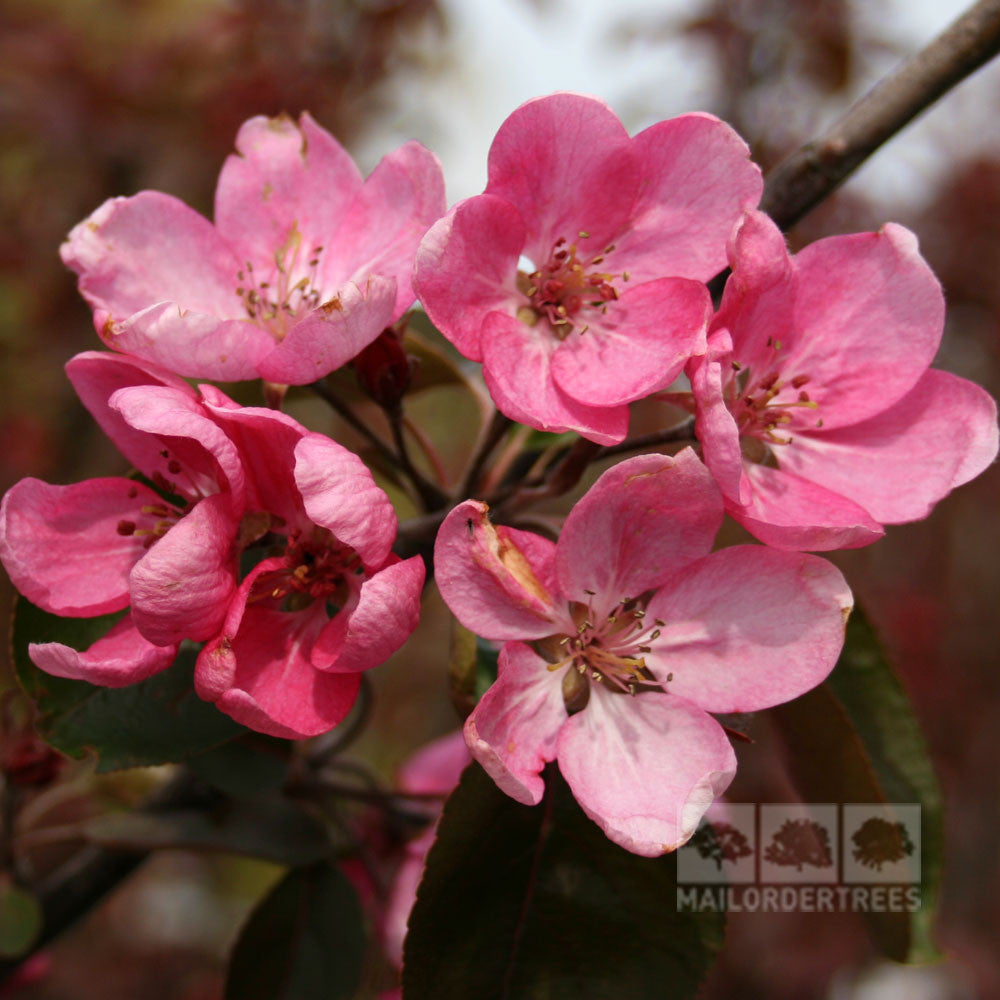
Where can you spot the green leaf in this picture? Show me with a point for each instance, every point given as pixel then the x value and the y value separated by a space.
pixel 157 721
pixel 20 920
pixel 856 739
pixel 271 828
pixel 472 668
pixel 245 768
pixel 519 902
pixel 305 941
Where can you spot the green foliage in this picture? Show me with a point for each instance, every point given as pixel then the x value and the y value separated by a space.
pixel 305 941
pixel 20 920
pixel 157 721
pixel 472 668
pixel 521 902
pixel 856 739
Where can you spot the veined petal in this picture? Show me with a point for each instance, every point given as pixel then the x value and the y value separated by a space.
pixel 646 768
pixel 182 586
pixel 61 545
pixel 120 658
pixel 640 345
pixel 399 201
pixel 565 162
pixel 518 374
pixel 134 252
pixel 466 267
pixel 636 527
pixel 331 335
pixel 339 493
pixel 749 627
pixel 283 174
pixel 497 581
pixel 899 463
pixel 513 730
pixel 385 616
pixel 789 512
pixel 697 181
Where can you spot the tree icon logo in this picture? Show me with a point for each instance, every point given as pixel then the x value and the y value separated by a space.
pixel 879 841
pixel 720 842
pixel 800 842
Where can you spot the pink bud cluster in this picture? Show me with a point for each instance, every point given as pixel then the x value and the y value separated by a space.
pixel 577 279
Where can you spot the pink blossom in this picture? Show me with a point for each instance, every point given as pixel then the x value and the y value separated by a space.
pixel 620 232
pixel 624 635
pixel 329 599
pixel 108 544
pixel 305 265
pixel 816 408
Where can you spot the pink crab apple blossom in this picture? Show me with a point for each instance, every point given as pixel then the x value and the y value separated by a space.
pixel 816 408
pixel 305 265
pixel 618 233
pixel 104 545
pixel 328 600
pixel 621 637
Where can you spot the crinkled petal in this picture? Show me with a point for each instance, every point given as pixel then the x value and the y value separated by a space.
pixel 385 616
pixel 513 730
pixel 640 345
pixel 898 464
pixel 191 343
pixel 283 174
pixel 636 527
pixel 121 657
pixel 565 162
pixel 182 587
pixel 331 335
pixel 697 181
pixel 399 201
pixel 134 252
pixel 339 493
pixel 467 267
pixel 97 375
pixel 789 512
pixel 749 627
pixel 258 670
pixel 646 768
pixel 195 454
pixel 497 581
pixel 61 547
pixel 517 370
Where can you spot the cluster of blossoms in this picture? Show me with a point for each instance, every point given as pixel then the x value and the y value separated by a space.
pixel 578 280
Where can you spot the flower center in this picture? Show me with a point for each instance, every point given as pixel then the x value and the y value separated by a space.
pixel 566 287
pixel 317 567
pixel 153 521
pixel 292 288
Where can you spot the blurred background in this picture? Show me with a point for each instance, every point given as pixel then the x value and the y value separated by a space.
pixel 107 97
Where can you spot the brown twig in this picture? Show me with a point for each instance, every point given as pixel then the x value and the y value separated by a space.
pixel 682 433
pixel 432 497
pixel 815 170
pixel 488 440
pixel 559 478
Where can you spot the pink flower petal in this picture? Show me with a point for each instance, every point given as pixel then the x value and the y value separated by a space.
pixel 385 616
pixel 134 252
pixel 120 658
pixel 61 545
pixel 182 586
pixel 513 730
pixel 517 371
pixel 789 512
pixel 497 581
pixel 435 768
pixel 328 337
pixel 565 162
pixel 749 627
pixel 636 527
pixel 283 174
pixel 399 201
pixel 640 346
pixel 188 342
pixel 467 267
pixel 646 768
pixel 97 375
pixel 697 181
pixel 898 464
pixel 339 493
